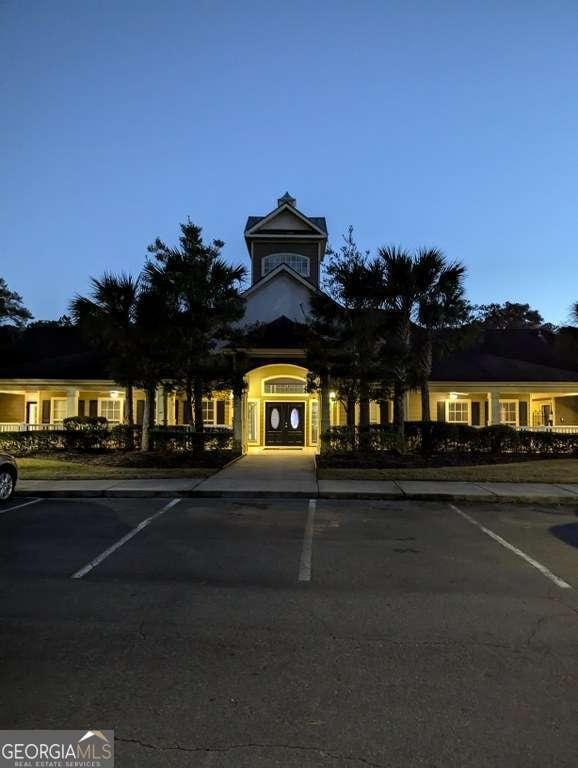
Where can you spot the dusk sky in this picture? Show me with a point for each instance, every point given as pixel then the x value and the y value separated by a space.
pixel 452 124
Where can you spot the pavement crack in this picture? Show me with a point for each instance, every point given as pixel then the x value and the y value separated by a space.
pixel 222 748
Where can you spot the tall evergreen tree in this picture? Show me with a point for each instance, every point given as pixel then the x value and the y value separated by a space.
pixel 201 293
pixel 12 310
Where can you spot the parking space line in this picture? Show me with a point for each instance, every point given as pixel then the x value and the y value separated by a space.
pixel 97 560
pixel 542 568
pixel 307 551
pixel 19 506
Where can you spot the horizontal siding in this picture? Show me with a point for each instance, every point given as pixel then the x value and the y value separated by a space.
pixel 307 248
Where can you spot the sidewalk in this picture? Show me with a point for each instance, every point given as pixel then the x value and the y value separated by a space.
pixel 239 484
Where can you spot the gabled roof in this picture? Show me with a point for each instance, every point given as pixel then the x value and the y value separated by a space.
pixel 317 223
pixel 273 274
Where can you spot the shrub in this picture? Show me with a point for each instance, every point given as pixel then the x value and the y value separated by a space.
pixel 26 443
pixel 186 439
pixel 440 437
pixel 85 433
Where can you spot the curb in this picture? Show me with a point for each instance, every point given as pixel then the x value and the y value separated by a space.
pixel 336 495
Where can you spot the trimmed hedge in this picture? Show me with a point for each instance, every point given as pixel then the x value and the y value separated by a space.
pixel 186 439
pixel 85 433
pixel 443 437
pixel 89 433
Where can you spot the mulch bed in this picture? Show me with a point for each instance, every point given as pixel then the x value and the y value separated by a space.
pixel 138 460
pixel 390 460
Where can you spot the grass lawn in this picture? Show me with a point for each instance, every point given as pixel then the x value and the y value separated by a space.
pixel 543 471
pixel 64 469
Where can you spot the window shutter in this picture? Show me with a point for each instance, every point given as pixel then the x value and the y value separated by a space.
pixel 441 410
pixel 384 412
pixel 140 404
pixel 523 413
pixel 475 413
pixel 220 412
pixel 176 411
pixel 81 407
pixel 46 411
pixel 93 407
pixel 486 413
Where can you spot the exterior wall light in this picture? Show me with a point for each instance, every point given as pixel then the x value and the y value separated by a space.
pixel 453 395
pixel 114 394
pixel 332 395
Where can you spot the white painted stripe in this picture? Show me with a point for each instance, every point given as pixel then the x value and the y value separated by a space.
pixel 307 551
pixel 117 545
pixel 19 506
pixel 542 568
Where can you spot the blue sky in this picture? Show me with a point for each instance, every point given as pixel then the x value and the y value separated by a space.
pixel 452 124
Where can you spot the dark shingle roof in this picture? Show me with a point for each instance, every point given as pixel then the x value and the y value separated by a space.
pixel 526 354
pixel 482 366
pixel 49 353
pixel 281 333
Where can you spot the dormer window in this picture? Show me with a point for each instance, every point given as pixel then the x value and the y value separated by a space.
pixel 294 260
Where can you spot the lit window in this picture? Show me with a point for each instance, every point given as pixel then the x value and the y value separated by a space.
pixel 59 410
pixel 208 411
pixel 252 412
pixel 314 421
pixel 294 260
pixel 111 410
pixel 508 412
pixel 458 411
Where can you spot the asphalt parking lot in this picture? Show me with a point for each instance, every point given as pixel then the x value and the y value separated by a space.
pixel 287 632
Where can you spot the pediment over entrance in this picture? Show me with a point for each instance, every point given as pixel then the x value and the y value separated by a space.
pixel 280 293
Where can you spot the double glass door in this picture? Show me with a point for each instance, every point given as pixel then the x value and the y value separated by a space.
pixel 284 424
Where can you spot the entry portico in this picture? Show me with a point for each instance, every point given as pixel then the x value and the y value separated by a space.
pixel 280 412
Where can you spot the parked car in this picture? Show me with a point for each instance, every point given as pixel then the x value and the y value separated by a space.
pixel 8 476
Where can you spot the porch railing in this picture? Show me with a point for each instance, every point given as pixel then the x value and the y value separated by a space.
pixel 568 429
pixel 8 426
pixel 22 427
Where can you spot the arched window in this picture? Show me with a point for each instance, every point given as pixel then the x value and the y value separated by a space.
pixel 294 260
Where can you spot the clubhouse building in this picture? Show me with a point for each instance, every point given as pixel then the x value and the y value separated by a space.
pixel 508 377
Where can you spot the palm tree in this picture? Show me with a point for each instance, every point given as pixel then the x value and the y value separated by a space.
pixel 440 308
pixel 344 329
pixel 410 287
pixel 399 284
pixel 107 317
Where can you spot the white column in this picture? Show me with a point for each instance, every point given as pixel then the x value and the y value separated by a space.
pixel 170 409
pixel 325 415
pixel 71 402
pixel 160 406
pixel 494 406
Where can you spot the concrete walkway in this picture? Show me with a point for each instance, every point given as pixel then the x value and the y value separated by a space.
pixel 267 473
pixel 292 474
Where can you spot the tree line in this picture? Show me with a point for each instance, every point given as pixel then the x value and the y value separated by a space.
pixel 373 333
